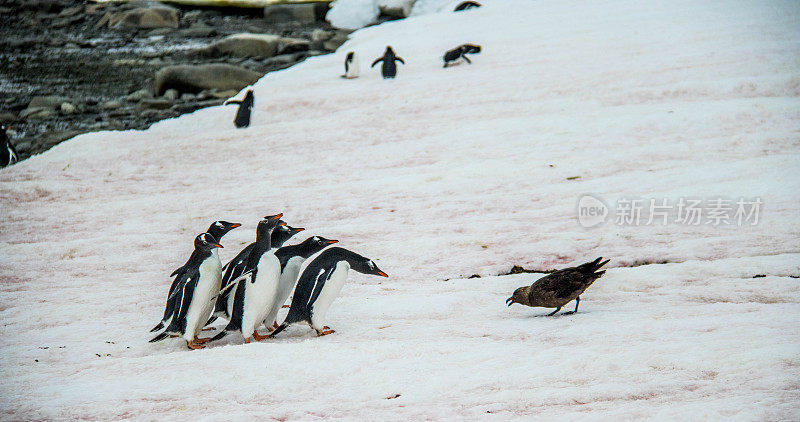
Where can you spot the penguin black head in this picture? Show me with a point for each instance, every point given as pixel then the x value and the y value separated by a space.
pixel 221 228
pixel 367 266
pixel 314 244
pixel 249 95
pixel 471 48
pixel 206 242
pixel 266 227
pixel 389 49
pixel 283 233
pixel 349 58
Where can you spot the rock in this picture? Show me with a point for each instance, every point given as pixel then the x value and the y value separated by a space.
pixel 52 102
pixel 68 108
pixel 139 95
pixel 188 97
pixel 8 117
pixel 284 59
pixel 36 113
pixel 396 8
pixel 24 146
pixel 336 41
pixel 111 105
pixel 154 104
pixel 171 94
pixel 320 35
pixel 158 16
pixel 228 93
pixel 292 45
pixel 244 45
pixel 303 13
pixel 70 12
pixel 158 33
pixel 196 78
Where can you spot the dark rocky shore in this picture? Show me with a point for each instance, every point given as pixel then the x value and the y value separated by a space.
pixel 69 67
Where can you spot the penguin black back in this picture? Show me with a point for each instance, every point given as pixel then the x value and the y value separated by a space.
pixel 389 68
pixel 242 119
pixel 304 249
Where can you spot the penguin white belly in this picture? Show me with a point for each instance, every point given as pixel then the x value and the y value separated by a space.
pixel 352 68
pixel 259 294
pixel 204 296
pixel 329 292
pixel 285 285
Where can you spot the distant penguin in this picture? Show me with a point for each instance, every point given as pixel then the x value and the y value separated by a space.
pixel 242 119
pixel 460 52
pixel 291 258
pixel 351 66
pixel 466 6
pixel 198 289
pixel 389 69
pixel 8 155
pixel 236 267
pixel 319 284
pixel 216 229
pixel 257 287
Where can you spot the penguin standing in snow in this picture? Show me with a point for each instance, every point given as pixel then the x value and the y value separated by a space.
pixel 291 258
pixel 389 69
pixel 319 284
pixel 242 119
pixel 197 291
pixel 216 229
pixel 257 287
pixel 351 66
pixel 8 155
pixel 236 267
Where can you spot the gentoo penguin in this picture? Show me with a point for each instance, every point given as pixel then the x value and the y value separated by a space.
pixel 291 258
pixel 560 287
pixel 319 284
pixel 389 69
pixel 351 66
pixel 197 292
pixel 216 229
pixel 242 119
pixel 257 287
pixel 236 267
pixel 460 52
pixel 466 6
pixel 8 155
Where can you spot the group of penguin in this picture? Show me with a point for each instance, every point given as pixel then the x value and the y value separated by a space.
pixel 389 68
pixel 249 290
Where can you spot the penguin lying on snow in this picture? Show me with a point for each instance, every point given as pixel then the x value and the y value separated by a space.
pixel 216 229
pixel 8 155
pixel 319 284
pixel 197 291
pixel 291 258
pixel 466 6
pixel 236 267
pixel 460 52
pixel 242 119
pixel 351 66
pixel 389 69
pixel 560 287
pixel 257 287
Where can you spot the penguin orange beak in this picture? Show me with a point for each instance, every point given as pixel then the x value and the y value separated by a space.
pixel 331 242
pixel 217 245
pixel 274 217
pixel 282 223
pixel 235 225
pixel 299 229
pixel 382 274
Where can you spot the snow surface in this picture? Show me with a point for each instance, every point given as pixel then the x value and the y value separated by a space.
pixel 438 175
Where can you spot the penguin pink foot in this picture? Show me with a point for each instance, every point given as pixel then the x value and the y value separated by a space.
pixel 247 340
pixel 285 306
pixel 201 340
pixel 259 337
pixel 325 331
pixel 194 346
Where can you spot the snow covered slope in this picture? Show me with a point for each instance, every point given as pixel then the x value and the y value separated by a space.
pixel 438 175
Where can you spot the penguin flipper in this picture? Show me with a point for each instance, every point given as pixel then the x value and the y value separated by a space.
pixel 320 283
pixel 229 102
pixel 378 60
pixel 159 337
pixel 400 60
pixel 279 329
